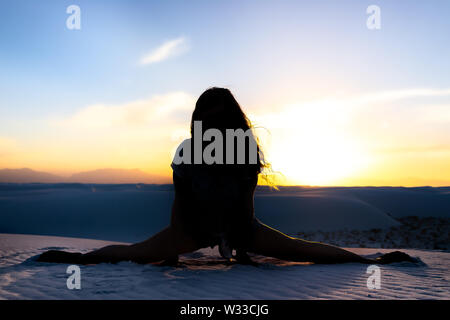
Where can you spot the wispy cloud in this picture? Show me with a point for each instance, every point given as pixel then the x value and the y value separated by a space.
pixel 402 94
pixel 337 110
pixel 153 111
pixel 133 134
pixel 167 50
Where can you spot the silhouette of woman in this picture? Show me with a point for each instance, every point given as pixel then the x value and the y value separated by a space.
pixel 213 205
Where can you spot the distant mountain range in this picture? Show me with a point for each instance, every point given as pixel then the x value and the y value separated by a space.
pixel 109 176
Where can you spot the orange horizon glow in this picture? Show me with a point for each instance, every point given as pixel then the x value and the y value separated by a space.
pixel 327 142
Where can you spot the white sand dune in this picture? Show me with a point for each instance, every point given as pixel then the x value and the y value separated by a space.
pixel 203 275
pixel 319 209
pixel 132 213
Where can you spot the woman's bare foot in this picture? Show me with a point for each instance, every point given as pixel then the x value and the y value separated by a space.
pixel 395 256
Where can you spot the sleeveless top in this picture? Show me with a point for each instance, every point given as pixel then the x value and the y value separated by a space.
pixel 216 203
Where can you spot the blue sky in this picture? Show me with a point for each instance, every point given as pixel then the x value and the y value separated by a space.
pixel 269 53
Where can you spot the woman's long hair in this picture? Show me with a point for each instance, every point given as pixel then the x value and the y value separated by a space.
pixel 217 108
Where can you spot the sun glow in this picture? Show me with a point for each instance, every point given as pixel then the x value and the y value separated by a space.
pixel 309 144
pixel 323 160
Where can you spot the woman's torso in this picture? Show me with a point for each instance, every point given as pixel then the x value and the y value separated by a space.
pixel 214 202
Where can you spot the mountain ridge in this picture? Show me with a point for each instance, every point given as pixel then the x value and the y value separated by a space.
pixel 105 175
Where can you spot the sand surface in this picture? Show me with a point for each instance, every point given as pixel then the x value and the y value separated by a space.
pixel 203 275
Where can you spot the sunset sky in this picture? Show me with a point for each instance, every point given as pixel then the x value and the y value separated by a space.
pixel 334 103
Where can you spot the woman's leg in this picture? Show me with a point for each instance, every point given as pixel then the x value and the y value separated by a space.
pixel 165 245
pixel 270 242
